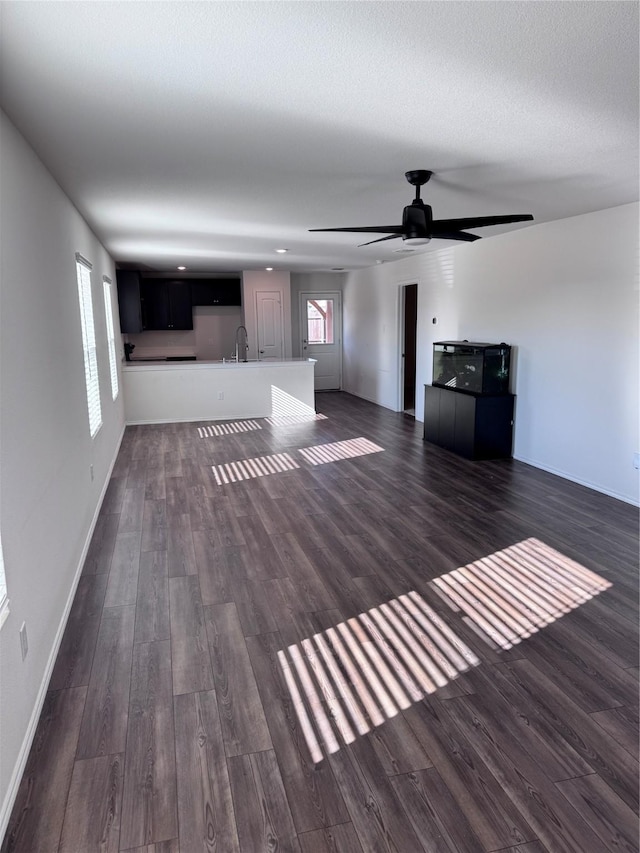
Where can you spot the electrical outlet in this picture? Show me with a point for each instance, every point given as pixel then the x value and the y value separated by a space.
pixel 24 642
pixel 220 395
pixel 636 460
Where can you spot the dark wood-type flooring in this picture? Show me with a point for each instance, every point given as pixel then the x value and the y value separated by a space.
pixel 171 723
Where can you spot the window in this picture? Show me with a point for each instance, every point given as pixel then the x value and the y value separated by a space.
pixel 83 271
pixel 111 338
pixel 4 601
pixel 320 321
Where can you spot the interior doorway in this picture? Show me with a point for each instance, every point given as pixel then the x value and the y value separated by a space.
pixel 410 314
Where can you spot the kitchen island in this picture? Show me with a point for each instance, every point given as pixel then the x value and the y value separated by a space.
pixel 178 391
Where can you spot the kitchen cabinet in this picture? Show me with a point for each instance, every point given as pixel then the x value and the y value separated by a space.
pixel 478 426
pixel 166 304
pixel 129 304
pixel 216 291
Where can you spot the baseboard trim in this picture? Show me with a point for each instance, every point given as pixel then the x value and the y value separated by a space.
pixel 535 464
pixel 242 417
pixel 589 485
pixel 23 754
pixel 370 400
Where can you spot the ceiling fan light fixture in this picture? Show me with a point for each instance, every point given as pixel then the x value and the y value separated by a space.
pixel 416 241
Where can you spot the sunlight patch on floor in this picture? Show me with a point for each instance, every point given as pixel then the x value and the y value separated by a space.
pixel 289 420
pixel 227 429
pixel 348 679
pixel 351 678
pixel 249 469
pixel 511 594
pixel 336 450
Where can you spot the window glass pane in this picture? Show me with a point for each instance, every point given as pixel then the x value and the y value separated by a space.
pixel 320 321
pixel 89 348
pixel 111 340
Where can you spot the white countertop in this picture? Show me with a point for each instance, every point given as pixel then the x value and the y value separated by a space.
pixel 162 364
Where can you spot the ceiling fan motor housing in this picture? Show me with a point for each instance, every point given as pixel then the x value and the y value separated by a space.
pixel 416 224
pixel 418 177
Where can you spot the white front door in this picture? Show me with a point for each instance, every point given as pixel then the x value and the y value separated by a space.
pixel 270 325
pixel 321 336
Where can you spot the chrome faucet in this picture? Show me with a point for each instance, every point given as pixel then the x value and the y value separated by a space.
pixel 246 343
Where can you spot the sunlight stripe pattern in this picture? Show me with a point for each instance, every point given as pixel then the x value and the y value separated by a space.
pixel 348 679
pixel 351 678
pixel 510 595
pixel 214 430
pixel 323 453
pixel 290 420
pixel 249 469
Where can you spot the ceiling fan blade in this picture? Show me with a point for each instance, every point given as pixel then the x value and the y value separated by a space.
pixel 457 235
pixel 380 239
pixel 439 225
pixel 368 229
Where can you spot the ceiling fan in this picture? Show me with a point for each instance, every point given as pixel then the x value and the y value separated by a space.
pixel 419 226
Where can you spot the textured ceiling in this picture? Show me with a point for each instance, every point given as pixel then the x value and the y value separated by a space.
pixel 208 134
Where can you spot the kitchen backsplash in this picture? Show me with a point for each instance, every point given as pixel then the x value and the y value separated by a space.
pixel 213 336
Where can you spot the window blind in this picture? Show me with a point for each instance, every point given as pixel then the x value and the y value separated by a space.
pixel 83 271
pixel 111 338
pixel 4 601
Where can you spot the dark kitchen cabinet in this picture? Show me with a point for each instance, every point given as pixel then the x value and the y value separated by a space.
pixel 129 305
pixel 478 426
pixel 166 305
pixel 216 291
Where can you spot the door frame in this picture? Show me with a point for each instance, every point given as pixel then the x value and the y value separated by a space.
pixel 400 372
pixel 336 295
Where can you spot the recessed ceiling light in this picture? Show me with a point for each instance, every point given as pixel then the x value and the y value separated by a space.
pixel 281 251
pixel 269 269
pixel 182 268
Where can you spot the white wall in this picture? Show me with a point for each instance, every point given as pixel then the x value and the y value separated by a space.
pixel 565 295
pixel 48 500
